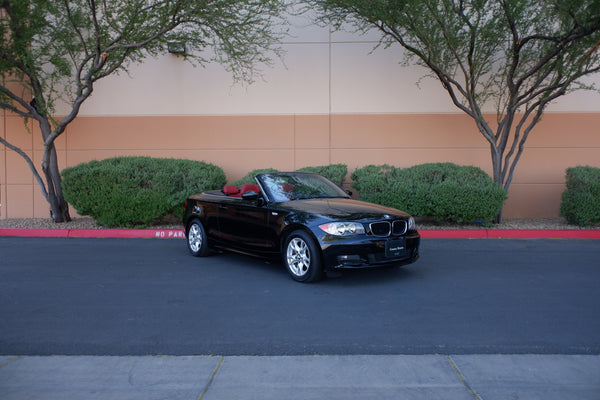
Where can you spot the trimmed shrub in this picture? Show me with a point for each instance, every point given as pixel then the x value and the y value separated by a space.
pixel 134 191
pixel 581 199
pixel 336 173
pixel 444 191
pixel 249 177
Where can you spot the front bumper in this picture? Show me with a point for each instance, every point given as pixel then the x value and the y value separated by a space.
pixel 365 251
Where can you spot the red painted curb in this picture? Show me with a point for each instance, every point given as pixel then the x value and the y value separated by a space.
pixel 426 234
pixel 95 233
pixel 542 234
pixel 510 234
pixel 128 233
pixel 34 232
pixel 454 234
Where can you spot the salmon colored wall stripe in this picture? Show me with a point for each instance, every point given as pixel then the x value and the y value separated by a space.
pixel 239 144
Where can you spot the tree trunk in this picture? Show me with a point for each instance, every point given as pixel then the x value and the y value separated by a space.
pixel 59 208
pixel 498 217
pixel 497 176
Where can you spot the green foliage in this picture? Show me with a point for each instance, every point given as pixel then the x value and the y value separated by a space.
pixel 249 177
pixel 334 172
pixel 134 191
pixel 444 191
pixel 57 49
pixel 581 200
pixel 471 46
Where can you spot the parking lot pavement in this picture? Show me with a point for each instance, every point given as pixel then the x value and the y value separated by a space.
pixel 430 377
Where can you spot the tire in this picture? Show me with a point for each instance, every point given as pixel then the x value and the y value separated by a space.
pixel 302 257
pixel 197 241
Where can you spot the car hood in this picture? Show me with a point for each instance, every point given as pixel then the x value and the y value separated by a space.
pixel 342 209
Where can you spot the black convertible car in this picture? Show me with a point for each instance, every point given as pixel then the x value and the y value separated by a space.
pixel 313 224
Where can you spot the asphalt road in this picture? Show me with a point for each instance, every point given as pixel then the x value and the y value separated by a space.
pixel 146 297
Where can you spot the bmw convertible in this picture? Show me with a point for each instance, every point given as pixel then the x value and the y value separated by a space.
pixel 311 223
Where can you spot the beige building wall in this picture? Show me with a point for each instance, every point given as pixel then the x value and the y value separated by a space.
pixel 330 100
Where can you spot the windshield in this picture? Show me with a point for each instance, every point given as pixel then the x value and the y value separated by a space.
pixel 299 186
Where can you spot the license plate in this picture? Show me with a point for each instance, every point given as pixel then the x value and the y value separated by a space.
pixel 395 248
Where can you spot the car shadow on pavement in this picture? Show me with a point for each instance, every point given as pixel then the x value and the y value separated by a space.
pixel 274 270
pixel 371 276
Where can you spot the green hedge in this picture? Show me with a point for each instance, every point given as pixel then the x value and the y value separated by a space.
pixel 581 200
pixel 444 191
pixel 335 173
pixel 249 177
pixel 135 191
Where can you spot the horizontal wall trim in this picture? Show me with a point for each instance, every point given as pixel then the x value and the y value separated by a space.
pixel 301 114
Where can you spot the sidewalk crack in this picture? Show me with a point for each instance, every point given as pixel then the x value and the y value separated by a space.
pixel 9 361
pixel 212 378
pixel 462 378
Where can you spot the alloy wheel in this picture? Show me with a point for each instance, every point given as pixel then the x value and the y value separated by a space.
pixel 195 238
pixel 298 257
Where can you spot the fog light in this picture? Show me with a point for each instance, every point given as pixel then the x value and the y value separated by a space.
pixel 350 260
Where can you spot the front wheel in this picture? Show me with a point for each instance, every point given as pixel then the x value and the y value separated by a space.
pixel 197 241
pixel 302 257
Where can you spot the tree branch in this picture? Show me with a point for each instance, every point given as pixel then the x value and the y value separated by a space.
pixel 26 105
pixel 27 159
pixel 447 81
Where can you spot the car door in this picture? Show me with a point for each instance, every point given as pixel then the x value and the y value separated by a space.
pixel 244 224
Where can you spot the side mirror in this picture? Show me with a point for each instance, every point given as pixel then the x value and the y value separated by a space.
pixel 348 192
pixel 251 195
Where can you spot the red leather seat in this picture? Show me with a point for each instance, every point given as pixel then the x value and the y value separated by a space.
pixel 249 187
pixel 287 187
pixel 231 190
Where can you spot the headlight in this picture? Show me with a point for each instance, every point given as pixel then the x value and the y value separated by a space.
pixel 343 228
pixel 411 224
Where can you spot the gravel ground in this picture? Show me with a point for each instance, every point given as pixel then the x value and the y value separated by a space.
pixel 76 223
pixel 508 223
pixel 422 224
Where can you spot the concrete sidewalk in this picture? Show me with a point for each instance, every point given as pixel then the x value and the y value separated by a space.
pixel 427 377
